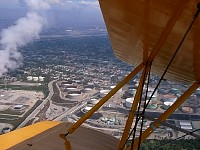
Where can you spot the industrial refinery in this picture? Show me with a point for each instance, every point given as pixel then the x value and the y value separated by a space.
pixel 122 80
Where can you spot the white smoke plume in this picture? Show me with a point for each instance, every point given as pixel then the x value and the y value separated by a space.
pixel 24 31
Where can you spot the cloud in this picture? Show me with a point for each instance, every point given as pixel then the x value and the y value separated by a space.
pixel 89 3
pixel 79 4
pixel 38 4
pixel 24 31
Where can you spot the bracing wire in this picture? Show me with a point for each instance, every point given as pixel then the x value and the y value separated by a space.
pixel 175 139
pixel 162 77
pixel 137 119
pixel 138 110
pixel 141 127
pixel 175 53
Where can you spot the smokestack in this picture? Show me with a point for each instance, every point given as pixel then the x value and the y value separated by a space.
pixel 24 31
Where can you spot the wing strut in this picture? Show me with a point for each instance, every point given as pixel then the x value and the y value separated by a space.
pixel 165 115
pixel 169 26
pixel 104 99
pixel 171 109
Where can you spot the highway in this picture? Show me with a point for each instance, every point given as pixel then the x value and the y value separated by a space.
pixel 71 110
pixel 37 110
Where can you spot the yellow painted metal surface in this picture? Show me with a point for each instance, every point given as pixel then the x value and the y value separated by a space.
pixel 138 27
pixel 17 136
pixel 46 137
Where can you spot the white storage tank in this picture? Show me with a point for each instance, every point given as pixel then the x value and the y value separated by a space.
pixel 35 78
pixel 29 78
pixel 197 91
pixel 104 93
pixel 94 101
pixel 18 107
pixel 41 78
pixel 70 88
pixel 129 102
pixel 74 94
pixel 113 86
pixel 88 88
pixel 154 98
pixel 86 109
pixel 67 83
pixel 168 103
pixel 150 92
pixel 6 130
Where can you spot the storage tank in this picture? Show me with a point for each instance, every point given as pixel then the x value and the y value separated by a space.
pixel 73 94
pixel 18 107
pixel 90 83
pixel 78 81
pixel 104 93
pixel 70 88
pixel 88 88
pixel 193 96
pixel 35 78
pixel 187 109
pixel 169 98
pixel 86 109
pixel 129 102
pixel 131 90
pixel 154 98
pixel 113 86
pixel 41 78
pixel 67 83
pixel 150 92
pixel 6 130
pixel 175 91
pixel 167 105
pixel 29 78
pixel 94 101
pixel 198 91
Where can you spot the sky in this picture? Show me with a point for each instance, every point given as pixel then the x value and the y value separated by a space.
pixel 59 4
pixel 22 22
pixel 62 11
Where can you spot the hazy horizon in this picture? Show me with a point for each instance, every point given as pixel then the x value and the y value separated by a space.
pixel 66 13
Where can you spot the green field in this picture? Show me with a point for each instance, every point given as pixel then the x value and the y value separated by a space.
pixel 182 144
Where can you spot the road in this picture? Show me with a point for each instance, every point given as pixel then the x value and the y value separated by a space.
pixel 177 116
pixel 71 110
pixel 38 109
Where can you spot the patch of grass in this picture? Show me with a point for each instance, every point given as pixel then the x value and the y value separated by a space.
pixel 189 144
